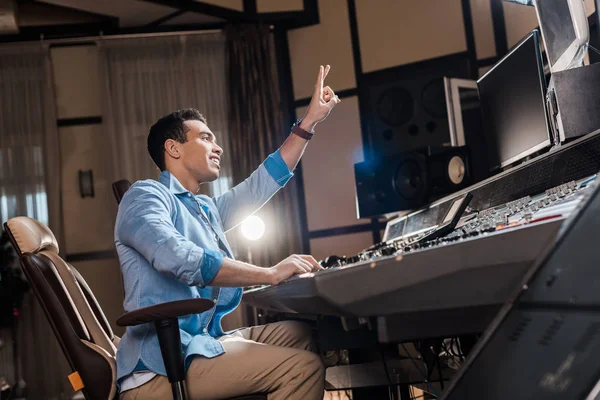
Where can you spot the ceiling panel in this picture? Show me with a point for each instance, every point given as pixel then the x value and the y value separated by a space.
pixel 279 6
pixel 233 4
pixel 38 14
pixel 191 18
pixel 130 12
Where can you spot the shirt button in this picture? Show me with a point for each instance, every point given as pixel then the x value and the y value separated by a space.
pixel 205 330
pixel 215 301
pixel 189 195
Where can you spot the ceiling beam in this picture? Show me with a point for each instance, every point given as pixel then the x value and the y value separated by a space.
pixel 165 18
pixel 287 19
pixel 202 8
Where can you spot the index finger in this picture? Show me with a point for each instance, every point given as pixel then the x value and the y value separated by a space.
pixel 320 77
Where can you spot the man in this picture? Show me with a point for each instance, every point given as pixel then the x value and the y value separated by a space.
pixel 171 246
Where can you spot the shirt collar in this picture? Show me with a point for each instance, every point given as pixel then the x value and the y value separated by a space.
pixel 169 180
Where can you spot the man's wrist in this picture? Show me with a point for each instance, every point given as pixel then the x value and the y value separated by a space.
pixel 268 276
pixel 308 125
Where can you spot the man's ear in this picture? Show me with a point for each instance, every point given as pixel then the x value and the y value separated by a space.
pixel 172 148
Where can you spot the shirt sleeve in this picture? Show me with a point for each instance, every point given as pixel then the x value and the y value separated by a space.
pixel 144 223
pixel 250 195
pixel 278 169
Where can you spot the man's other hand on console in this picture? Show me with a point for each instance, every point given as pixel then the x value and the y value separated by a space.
pixel 293 265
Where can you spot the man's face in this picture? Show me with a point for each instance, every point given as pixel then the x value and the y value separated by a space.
pixel 200 154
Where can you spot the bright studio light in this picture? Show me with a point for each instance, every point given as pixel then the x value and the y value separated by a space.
pixel 253 228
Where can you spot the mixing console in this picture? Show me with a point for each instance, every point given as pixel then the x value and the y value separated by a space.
pixel 556 202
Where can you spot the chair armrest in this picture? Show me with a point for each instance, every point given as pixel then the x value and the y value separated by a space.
pixel 172 309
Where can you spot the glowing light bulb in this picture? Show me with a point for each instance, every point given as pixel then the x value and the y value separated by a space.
pixel 253 228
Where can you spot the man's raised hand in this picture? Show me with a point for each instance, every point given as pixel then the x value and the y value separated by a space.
pixel 322 102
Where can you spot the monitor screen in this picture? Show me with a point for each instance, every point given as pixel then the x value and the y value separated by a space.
pixel 559 31
pixel 453 209
pixel 512 97
pixel 394 229
pixel 565 31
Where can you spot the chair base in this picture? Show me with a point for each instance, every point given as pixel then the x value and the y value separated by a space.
pixel 178 389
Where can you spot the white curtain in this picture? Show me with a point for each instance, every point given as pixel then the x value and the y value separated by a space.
pixel 147 78
pixel 23 127
pixel 30 185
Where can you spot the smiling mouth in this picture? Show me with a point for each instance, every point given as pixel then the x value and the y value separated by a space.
pixel 216 160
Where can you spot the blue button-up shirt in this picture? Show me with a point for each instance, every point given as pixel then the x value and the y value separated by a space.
pixel 171 245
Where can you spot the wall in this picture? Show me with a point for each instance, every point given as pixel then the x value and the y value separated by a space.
pixel 88 222
pixel 362 36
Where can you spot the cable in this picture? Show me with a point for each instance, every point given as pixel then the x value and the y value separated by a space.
pixel 595 50
pixel 419 369
pixel 455 348
pixel 439 365
pixel 453 345
pixel 460 350
pixel 446 349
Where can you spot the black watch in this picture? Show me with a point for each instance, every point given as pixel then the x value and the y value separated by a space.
pixel 296 130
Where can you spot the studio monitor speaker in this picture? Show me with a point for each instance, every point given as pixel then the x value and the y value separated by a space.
pixel 405 107
pixel 410 180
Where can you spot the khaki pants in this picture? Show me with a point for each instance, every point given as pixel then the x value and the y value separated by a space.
pixel 276 359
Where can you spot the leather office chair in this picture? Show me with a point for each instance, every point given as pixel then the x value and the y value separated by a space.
pixel 78 322
pixel 119 189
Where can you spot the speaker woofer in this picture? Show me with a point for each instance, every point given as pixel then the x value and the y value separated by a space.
pixel 409 180
pixel 395 106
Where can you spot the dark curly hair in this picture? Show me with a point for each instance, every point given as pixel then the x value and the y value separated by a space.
pixel 170 126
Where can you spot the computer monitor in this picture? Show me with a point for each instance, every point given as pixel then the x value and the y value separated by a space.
pixel 464 120
pixel 565 31
pixel 461 96
pixel 512 96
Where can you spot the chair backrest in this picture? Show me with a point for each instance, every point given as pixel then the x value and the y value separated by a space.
pixel 75 316
pixel 119 189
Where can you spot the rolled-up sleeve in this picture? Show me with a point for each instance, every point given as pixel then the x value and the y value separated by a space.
pixel 146 226
pixel 278 169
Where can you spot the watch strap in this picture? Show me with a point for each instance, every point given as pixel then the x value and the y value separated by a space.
pixel 296 130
